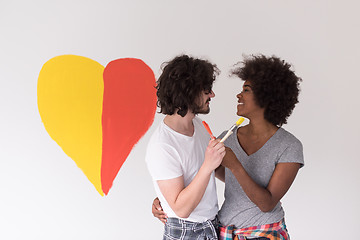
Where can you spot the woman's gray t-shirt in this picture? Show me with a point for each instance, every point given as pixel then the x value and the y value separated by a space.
pixel 238 209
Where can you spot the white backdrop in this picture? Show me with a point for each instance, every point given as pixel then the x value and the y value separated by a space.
pixel 44 195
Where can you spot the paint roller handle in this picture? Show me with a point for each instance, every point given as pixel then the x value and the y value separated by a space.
pixel 208 130
pixel 226 136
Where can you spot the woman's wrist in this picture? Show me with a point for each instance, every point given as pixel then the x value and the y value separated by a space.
pixel 235 167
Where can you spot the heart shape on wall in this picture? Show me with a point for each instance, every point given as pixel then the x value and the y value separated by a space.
pixel 96 114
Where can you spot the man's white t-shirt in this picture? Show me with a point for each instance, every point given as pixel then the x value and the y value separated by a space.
pixel 170 155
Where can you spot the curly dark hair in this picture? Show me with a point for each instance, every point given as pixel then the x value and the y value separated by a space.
pixel 181 82
pixel 275 85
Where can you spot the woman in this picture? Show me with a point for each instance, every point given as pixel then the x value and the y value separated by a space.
pixel 262 159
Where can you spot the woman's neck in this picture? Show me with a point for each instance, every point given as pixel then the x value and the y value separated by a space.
pixel 260 127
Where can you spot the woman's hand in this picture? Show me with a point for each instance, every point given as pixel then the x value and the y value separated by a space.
pixel 230 160
pixel 158 212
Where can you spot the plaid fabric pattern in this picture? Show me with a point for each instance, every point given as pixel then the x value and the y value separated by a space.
pixel 178 229
pixel 274 231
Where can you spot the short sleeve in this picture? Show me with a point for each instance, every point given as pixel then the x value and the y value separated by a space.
pixel 293 153
pixel 163 162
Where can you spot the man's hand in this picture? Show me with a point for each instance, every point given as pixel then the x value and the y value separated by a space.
pixel 158 211
pixel 214 154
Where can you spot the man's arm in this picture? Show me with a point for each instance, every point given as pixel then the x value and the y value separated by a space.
pixel 183 200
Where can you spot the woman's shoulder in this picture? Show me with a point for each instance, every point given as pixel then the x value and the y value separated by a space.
pixel 287 137
pixel 290 147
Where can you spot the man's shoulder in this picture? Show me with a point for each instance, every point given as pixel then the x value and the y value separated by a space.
pixel 159 136
pixel 197 119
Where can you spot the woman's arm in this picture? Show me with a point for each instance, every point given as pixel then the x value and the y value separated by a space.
pixel 158 211
pixel 265 198
pixel 220 173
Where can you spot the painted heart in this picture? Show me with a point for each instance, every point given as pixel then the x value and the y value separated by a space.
pixel 96 114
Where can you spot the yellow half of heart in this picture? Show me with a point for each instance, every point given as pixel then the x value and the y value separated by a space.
pixel 70 97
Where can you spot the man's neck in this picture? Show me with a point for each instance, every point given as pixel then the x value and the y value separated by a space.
pixel 182 125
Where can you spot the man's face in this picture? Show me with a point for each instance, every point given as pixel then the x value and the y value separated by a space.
pixel 204 102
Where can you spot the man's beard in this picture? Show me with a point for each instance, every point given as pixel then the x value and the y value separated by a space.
pixel 204 109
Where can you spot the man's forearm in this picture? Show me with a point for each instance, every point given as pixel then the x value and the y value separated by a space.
pixel 190 197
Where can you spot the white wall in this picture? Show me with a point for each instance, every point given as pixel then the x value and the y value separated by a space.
pixel 44 195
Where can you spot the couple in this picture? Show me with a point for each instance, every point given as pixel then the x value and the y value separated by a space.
pixel 258 162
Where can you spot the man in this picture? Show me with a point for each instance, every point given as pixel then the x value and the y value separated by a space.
pixel 180 158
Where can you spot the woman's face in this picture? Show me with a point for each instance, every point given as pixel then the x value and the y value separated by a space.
pixel 247 105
